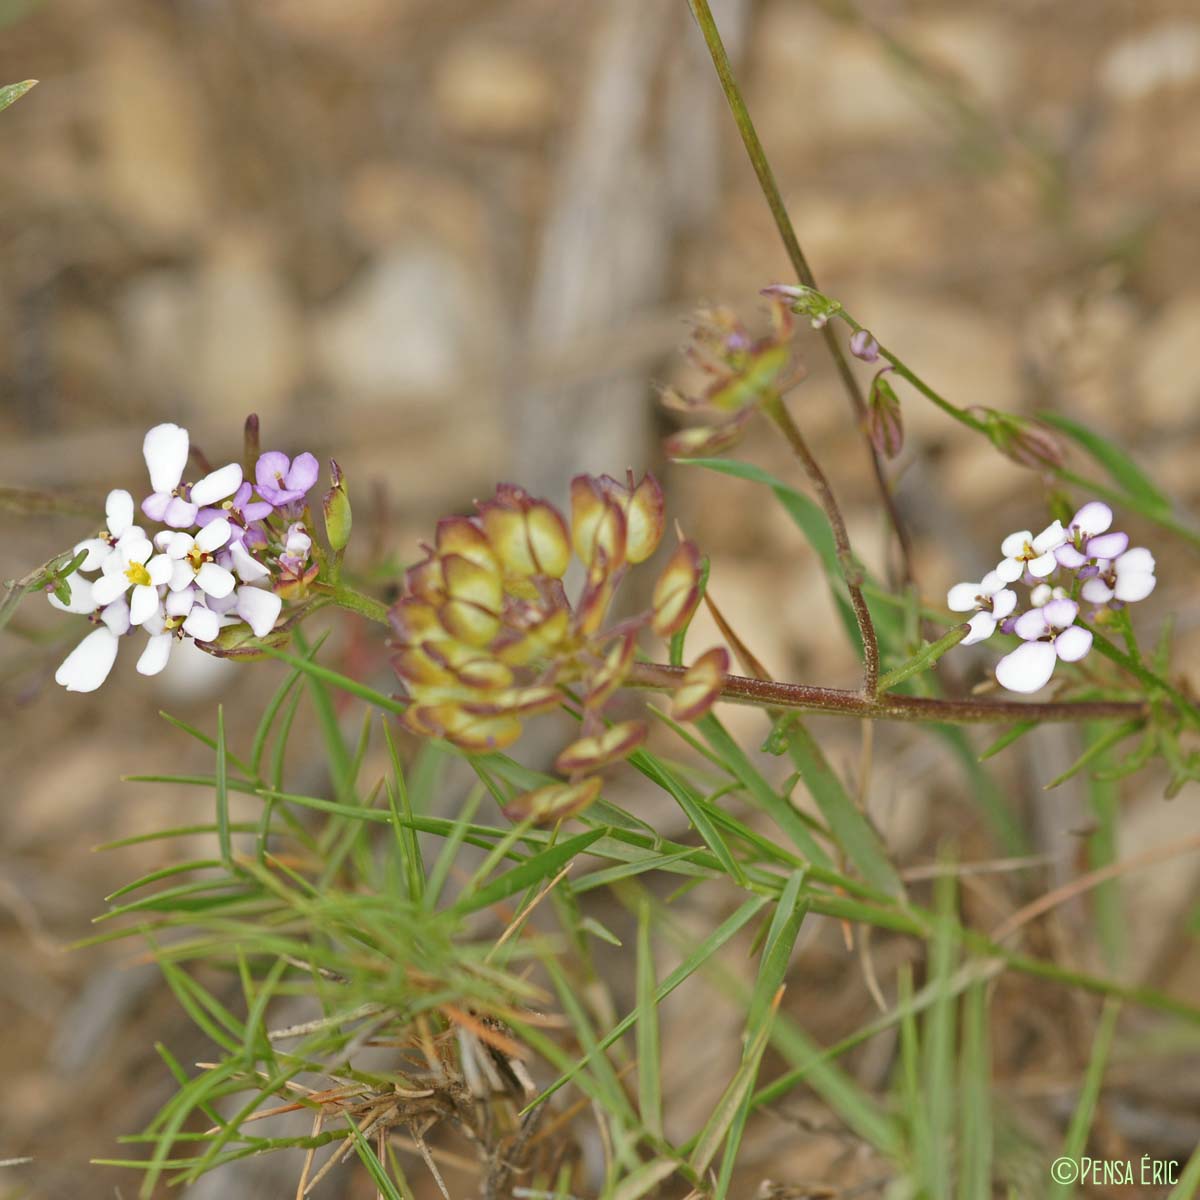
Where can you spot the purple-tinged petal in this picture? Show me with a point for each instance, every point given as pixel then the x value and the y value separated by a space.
pixel 1031 625
pixel 1028 668
pixel 1107 545
pixel 1093 518
pixel 304 472
pixel 271 468
pixel 256 510
pixel 155 505
pixel 1060 613
pixel 180 513
pixel 1096 591
pixel 1088 572
pixel 1069 557
pixel 1073 644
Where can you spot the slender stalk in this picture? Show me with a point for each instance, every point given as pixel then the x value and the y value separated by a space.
pixel 783 223
pixel 888 707
pixel 777 411
pixel 355 602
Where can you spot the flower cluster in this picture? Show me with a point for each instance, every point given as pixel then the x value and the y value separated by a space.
pixel 225 558
pixel 487 636
pixel 1084 561
pixel 742 371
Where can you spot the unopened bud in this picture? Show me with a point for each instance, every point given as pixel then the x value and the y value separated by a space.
pixel 1025 440
pixel 863 345
pixel 251 446
pixel 884 426
pixel 338 519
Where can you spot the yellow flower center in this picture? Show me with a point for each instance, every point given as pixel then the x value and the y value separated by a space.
pixel 137 574
pixel 197 558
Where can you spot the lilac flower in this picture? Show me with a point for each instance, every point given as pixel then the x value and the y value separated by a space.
pixel 990 600
pixel 241 510
pixel 281 480
pixel 1049 634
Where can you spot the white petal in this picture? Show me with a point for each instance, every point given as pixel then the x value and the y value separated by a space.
pixel 1010 570
pixel 1073 644
pixel 1014 545
pixel 160 569
pixel 182 576
pixel 214 535
pixel 1003 602
pixel 215 580
pixel 88 665
pixel 1108 545
pixel 991 583
pixel 1043 565
pixel 222 604
pixel 248 567
pixel 1093 518
pixel 1030 625
pixel 202 624
pixel 216 485
pixel 155 623
pixel 178 545
pixel 116 617
pixel 143 604
pixel 97 551
pixel 118 511
pixel 80 599
pixel 961 597
pixel 1050 538
pixel 165 449
pixel 137 550
pixel 1059 614
pixel 135 533
pixel 1096 591
pixel 983 625
pixel 1040 595
pixel 108 587
pixel 1137 559
pixel 1134 585
pixel 259 609
pixel 1028 668
pixel 179 604
pixel 155 655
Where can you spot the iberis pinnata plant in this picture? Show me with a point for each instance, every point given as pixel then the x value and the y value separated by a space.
pixel 1085 562
pixel 231 551
pixel 487 634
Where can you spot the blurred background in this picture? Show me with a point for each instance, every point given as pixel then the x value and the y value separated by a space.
pixel 454 242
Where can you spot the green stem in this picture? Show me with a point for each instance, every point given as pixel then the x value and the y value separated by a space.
pixel 783 223
pixel 1101 644
pixel 355 602
pixel 924 658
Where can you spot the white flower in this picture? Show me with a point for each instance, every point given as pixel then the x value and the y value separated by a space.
pixel 1049 634
pixel 192 559
pixel 131 565
pixel 991 600
pixel 247 568
pixel 1024 552
pixel 165 450
pixel 1128 577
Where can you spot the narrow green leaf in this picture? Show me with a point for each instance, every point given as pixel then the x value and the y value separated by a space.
pixel 644 1179
pixel 1119 465
pixel 851 829
pixel 924 658
pixel 222 793
pixel 975 1120
pixel 648 1062
pixel 1006 739
pixel 378 1172
pixel 939 1041
pixel 1096 747
pixel 1075 1142
pixel 790 911
pixel 1188 1187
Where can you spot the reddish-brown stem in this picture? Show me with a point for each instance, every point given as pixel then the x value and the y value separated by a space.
pixel 770 191
pixel 888 707
pixel 777 411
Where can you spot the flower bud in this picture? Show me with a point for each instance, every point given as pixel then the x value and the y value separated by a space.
pixel 884 426
pixel 251 444
pixel 863 345
pixel 338 519
pixel 1025 440
pixel 701 685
